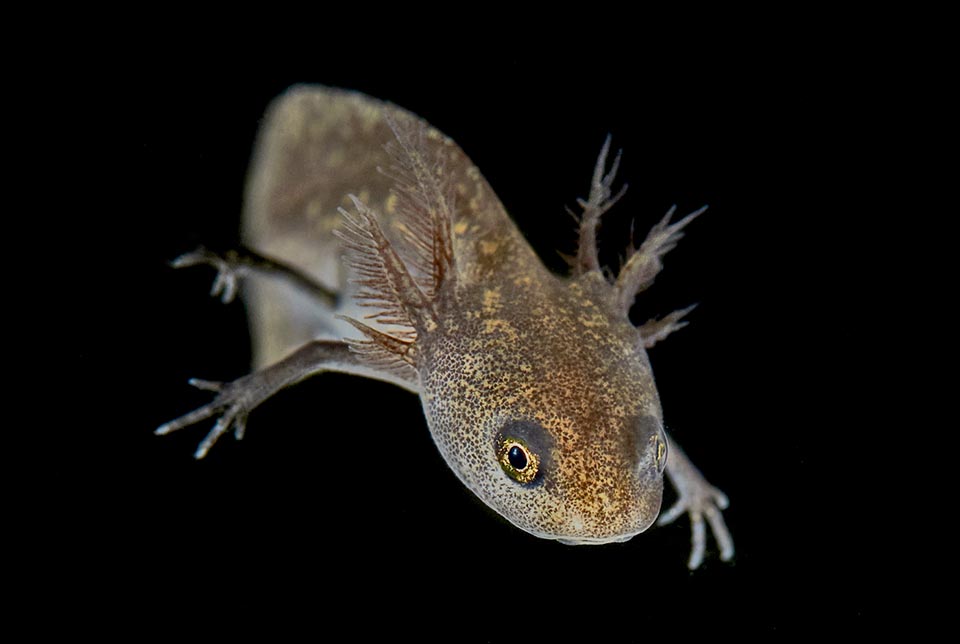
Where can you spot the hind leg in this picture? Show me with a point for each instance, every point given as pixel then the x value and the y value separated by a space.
pixel 287 343
pixel 236 265
pixel 235 400
pixel 286 306
pixel 292 350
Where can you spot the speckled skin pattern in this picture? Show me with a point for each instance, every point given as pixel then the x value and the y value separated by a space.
pixel 506 350
pixel 549 352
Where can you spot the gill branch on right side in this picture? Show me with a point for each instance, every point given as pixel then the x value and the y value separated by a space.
pixel 601 200
pixel 644 263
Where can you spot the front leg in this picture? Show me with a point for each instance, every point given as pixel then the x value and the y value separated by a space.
pixel 235 400
pixel 698 498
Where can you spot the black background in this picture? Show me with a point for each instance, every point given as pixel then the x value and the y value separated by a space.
pixel 354 519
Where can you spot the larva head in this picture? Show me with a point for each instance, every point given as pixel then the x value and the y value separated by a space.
pixel 543 403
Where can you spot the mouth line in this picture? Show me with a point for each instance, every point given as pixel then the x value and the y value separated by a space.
pixel 595 541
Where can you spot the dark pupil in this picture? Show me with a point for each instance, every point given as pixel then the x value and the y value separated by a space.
pixel 517 458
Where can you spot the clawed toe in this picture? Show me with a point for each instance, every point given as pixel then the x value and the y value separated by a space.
pixel 225 284
pixel 706 502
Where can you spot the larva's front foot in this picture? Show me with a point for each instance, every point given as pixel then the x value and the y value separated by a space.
pixel 233 403
pixel 699 499
pixel 228 271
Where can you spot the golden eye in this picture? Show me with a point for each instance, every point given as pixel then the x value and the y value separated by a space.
pixel 661 454
pixel 517 460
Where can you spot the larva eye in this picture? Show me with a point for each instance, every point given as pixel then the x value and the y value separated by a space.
pixel 660 452
pixel 518 460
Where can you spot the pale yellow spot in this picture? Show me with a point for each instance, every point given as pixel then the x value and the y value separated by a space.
pixel 488 247
pixel 325 225
pixel 391 204
pixel 595 320
pixel 369 115
pixel 314 209
pixel 491 301
pixel 522 281
pixel 501 326
pixel 460 227
pixel 364 196
pixel 557 517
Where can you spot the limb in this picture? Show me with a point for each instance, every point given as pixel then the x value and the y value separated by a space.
pixel 640 270
pixel 235 400
pixel 239 264
pixel 698 499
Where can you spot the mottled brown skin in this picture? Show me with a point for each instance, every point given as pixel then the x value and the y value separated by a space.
pixel 317 147
pixel 554 353
pixel 447 299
